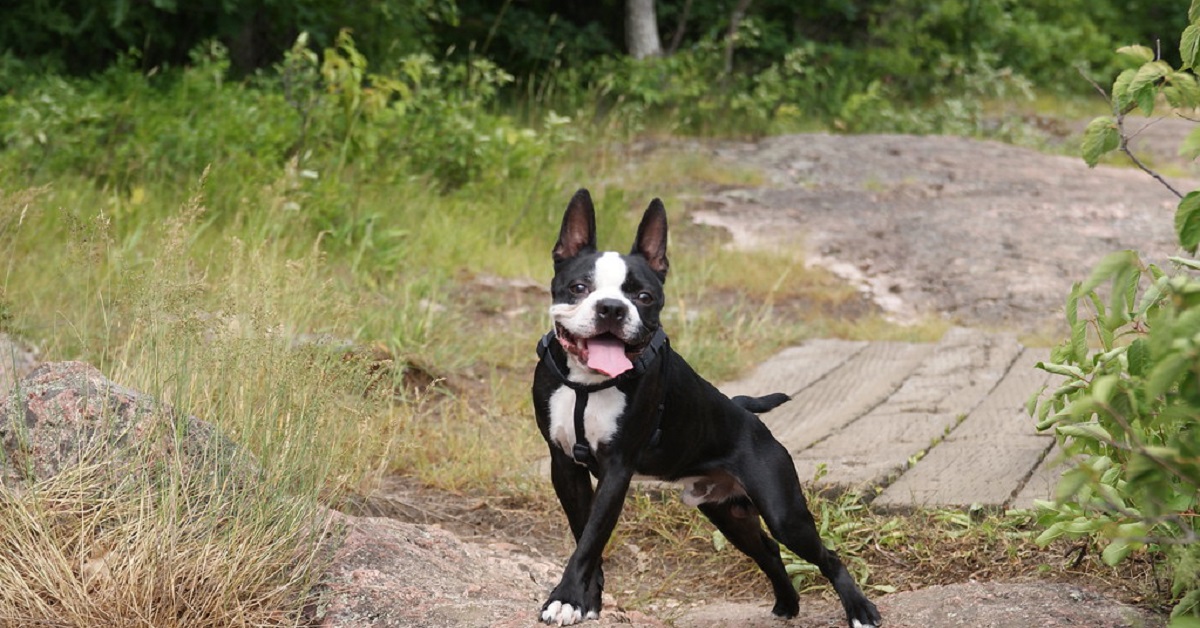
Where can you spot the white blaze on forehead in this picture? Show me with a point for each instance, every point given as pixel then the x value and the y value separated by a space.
pixel 610 273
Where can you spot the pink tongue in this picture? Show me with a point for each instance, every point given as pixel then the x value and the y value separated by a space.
pixel 607 355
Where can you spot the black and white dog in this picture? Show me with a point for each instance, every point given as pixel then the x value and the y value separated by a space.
pixel 613 400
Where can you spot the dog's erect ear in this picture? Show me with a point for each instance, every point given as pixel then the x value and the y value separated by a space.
pixel 651 242
pixel 578 232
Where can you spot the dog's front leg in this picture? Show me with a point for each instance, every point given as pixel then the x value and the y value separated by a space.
pixel 573 486
pixel 578 594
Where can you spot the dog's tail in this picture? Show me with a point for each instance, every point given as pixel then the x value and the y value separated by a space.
pixel 759 405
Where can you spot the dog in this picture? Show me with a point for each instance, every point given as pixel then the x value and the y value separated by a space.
pixel 614 401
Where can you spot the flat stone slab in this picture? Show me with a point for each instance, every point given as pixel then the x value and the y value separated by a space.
pixel 942 389
pixel 966 474
pixel 988 458
pixel 1042 482
pixel 795 368
pixel 925 424
pixel 848 392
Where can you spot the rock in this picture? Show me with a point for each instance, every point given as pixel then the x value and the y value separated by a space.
pixel 67 413
pixel 16 361
pixel 392 574
pixel 974 604
pixel 998 605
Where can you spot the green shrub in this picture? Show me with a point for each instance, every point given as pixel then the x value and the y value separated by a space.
pixel 83 36
pixel 1127 412
pixel 956 106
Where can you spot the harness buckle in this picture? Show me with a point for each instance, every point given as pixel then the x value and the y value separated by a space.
pixel 582 454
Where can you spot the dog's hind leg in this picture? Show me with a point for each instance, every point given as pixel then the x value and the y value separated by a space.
pixel 769 476
pixel 737 519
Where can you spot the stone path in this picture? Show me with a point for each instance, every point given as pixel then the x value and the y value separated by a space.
pixel 924 425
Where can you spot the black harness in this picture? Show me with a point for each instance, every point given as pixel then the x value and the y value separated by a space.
pixel 582 452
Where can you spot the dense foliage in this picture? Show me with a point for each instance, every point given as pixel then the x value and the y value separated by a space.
pixel 1126 410
pixel 783 66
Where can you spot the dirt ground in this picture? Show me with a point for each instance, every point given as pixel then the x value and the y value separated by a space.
pixel 980 233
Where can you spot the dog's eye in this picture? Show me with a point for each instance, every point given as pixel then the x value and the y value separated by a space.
pixel 645 298
pixel 578 289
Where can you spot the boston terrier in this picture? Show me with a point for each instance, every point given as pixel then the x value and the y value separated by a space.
pixel 613 400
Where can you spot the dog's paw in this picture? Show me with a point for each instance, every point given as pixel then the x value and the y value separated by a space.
pixel 865 616
pixel 559 613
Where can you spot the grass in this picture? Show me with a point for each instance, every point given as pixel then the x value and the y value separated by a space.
pixel 91 547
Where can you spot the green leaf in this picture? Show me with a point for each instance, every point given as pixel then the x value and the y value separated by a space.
pixel 1100 137
pixel 1078 345
pixel 1166 374
pixel 1145 99
pixel 1121 95
pixel 1050 534
pixel 1061 369
pixel 1111 266
pixel 1188 263
pixel 1194 11
pixel 1124 291
pixel 1103 388
pixel 1151 297
pixel 1135 531
pixel 1136 54
pixel 1069 388
pixel 1091 431
pixel 1184 621
pixel 1139 357
pixel 1187 221
pixel 1149 74
pixel 1182 91
pixel 1145 80
pixel 1116 552
pixel 1189 46
pixel 1084 525
pixel 1031 402
pixel 1190 147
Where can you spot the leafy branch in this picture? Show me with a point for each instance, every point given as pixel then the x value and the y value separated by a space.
pixel 1128 413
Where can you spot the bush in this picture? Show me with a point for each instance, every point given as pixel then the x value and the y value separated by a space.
pixel 1127 411
pixel 83 36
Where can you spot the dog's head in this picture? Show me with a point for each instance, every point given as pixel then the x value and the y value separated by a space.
pixel 606 305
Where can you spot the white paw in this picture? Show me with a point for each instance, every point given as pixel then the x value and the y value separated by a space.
pixel 559 614
pixel 859 624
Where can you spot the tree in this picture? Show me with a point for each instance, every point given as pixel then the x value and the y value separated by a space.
pixel 641 29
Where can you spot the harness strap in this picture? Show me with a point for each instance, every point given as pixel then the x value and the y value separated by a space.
pixel 582 451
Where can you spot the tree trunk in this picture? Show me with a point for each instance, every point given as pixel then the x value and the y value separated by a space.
pixel 681 28
pixel 641 29
pixel 735 20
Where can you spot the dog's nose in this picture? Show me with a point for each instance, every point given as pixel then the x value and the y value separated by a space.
pixel 610 310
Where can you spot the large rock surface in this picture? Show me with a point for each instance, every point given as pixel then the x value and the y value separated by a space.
pixel 970 604
pixel 68 413
pixel 981 233
pixel 392 574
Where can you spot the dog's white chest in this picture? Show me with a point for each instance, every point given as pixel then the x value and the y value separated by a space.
pixel 600 416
